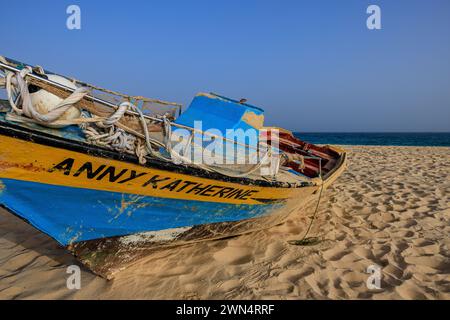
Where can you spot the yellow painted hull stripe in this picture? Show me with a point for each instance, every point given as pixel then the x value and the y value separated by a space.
pixel 28 161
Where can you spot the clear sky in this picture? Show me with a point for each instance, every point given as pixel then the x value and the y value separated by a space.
pixel 312 65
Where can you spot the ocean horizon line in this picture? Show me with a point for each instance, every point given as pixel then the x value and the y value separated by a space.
pixel 419 139
pixel 374 132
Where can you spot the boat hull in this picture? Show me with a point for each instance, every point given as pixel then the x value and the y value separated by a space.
pixel 71 215
pixel 78 196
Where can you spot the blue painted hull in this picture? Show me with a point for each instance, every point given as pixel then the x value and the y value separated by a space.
pixel 71 215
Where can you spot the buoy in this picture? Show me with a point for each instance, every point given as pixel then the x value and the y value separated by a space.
pixel 44 101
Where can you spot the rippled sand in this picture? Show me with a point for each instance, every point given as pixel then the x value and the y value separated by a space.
pixel 391 208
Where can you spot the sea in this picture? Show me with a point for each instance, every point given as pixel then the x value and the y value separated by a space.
pixel 441 139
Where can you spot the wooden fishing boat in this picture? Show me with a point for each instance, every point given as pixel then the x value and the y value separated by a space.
pixel 109 202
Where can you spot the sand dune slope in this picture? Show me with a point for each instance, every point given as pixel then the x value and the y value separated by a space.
pixel 390 209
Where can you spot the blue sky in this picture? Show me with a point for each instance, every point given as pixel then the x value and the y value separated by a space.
pixel 312 65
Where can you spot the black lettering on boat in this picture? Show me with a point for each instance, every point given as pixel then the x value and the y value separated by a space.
pixel 208 192
pixel 111 171
pixel 178 185
pixel 172 185
pixel 247 194
pixel 90 174
pixel 65 166
pixel 198 188
pixel 223 192
pixel 240 194
pixel 186 184
pixel 154 181
pixel 133 175
pixel 236 194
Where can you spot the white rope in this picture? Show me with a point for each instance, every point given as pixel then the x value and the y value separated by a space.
pixel 16 86
pixel 108 134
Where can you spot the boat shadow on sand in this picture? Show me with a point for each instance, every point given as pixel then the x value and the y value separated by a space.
pixel 16 232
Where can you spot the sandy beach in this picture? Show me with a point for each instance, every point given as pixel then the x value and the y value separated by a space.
pixel 391 209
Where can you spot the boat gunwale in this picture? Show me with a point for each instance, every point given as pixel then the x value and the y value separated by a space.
pixel 342 160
